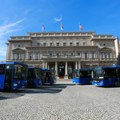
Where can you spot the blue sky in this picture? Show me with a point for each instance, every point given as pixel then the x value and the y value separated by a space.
pixel 17 17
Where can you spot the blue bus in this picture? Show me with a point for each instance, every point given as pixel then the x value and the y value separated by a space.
pixel 82 76
pixel 48 76
pixel 34 77
pixel 106 76
pixel 13 75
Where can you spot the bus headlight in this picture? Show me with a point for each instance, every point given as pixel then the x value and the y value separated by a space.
pixel 15 84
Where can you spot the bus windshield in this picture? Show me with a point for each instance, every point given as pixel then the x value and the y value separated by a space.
pixel 20 72
pixel 104 73
pixel 76 74
pixel 98 73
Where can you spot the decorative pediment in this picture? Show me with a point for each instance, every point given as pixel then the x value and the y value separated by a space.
pixel 106 49
pixel 19 49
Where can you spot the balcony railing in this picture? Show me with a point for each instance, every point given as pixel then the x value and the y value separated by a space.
pixel 66 57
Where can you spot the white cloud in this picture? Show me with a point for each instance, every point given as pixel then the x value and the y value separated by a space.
pixel 5 30
pixel 58 19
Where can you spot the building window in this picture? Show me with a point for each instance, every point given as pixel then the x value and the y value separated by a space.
pixel 105 54
pixel 18 56
pixel 79 54
pixel 71 43
pixel 86 55
pixel 57 54
pixel 58 44
pixel 64 44
pixel 93 55
pixel 38 44
pixel 30 56
pixel 44 44
pixel 51 44
pixel 84 43
pixel 102 55
pixel 109 55
pixel 77 43
pixel 23 56
pixel 36 56
pixel 14 56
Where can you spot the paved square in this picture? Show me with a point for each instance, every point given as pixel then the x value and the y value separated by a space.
pixel 63 101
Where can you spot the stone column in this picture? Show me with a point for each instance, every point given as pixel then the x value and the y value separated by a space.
pixel 76 65
pixel 43 64
pixel 46 65
pixel 33 55
pixel 66 70
pixel 56 70
pixel 79 65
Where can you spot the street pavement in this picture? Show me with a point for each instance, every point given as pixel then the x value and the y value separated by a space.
pixel 62 101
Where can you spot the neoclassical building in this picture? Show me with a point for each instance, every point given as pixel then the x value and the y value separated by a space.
pixel 63 51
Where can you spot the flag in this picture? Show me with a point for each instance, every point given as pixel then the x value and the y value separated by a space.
pixel 61 26
pixel 43 28
pixel 80 27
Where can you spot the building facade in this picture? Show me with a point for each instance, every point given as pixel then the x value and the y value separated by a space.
pixel 63 51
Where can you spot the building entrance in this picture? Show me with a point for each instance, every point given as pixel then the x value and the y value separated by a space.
pixel 71 67
pixel 51 65
pixel 61 69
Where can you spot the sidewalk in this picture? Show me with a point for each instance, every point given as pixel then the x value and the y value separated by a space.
pixel 64 81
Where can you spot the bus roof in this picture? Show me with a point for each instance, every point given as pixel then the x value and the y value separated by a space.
pixel 113 66
pixel 107 67
pixel 13 63
pixel 44 69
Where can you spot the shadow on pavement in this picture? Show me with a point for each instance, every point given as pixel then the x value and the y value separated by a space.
pixel 56 88
pixel 108 87
pixel 9 95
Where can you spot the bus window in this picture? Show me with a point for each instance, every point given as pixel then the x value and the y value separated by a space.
pixel 8 76
pixel 24 72
pixel 110 73
pixel 83 74
pixel 118 72
pixel 8 73
pixel 2 69
pixel 37 73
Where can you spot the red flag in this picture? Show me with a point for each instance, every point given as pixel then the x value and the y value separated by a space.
pixel 43 28
pixel 80 27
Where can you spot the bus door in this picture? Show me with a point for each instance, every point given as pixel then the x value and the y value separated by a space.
pixel 2 76
pixel 8 77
